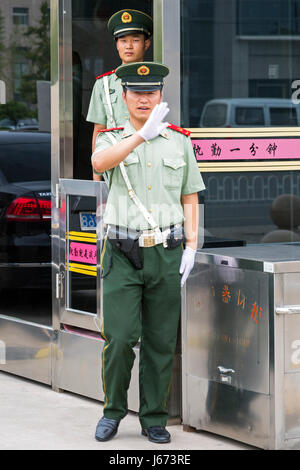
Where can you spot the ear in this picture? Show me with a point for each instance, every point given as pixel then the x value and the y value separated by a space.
pixel 123 97
pixel 147 44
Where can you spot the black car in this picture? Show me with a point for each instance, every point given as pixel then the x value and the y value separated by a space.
pixel 25 209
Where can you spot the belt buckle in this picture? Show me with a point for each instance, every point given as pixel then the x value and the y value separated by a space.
pixel 149 241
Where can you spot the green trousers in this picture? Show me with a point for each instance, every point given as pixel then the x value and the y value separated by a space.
pixel 140 305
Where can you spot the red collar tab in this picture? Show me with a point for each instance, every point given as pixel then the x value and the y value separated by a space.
pixel 179 129
pixel 112 129
pixel 107 73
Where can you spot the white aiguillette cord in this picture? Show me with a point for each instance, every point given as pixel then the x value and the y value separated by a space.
pixel 131 192
pixel 106 89
pixel 110 113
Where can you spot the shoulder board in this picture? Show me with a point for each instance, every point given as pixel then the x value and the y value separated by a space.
pixel 111 129
pixel 179 129
pixel 107 73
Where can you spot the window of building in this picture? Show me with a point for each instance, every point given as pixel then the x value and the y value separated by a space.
pixel 20 70
pixel 268 17
pixel 20 16
pixel 217 65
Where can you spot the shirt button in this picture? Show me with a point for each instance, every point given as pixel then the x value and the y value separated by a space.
pixel 149 187
pixel 149 164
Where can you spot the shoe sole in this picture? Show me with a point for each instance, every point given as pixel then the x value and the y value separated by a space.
pixel 144 433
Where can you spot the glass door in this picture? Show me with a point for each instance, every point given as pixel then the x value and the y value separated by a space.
pixel 25 163
pixel 78 283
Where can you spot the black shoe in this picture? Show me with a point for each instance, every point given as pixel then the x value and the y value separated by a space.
pixel 106 429
pixel 157 434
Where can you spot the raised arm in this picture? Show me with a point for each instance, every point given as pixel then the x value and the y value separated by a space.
pixel 110 157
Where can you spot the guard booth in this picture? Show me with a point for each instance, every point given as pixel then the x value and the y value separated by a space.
pixel 234 82
pixel 56 338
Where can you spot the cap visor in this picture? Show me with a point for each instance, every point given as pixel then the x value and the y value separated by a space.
pixel 143 87
pixel 121 34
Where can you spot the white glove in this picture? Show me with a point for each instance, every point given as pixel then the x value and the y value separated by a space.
pixel 154 125
pixel 187 263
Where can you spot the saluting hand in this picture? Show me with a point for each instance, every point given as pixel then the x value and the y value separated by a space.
pixel 154 125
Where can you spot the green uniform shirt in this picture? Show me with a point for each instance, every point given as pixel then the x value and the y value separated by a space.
pixel 98 112
pixel 160 171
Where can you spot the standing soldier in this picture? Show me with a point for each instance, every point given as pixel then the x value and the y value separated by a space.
pixel 153 184
pixel 132 30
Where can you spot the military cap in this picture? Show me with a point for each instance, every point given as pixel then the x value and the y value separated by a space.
pixel 142 76
pixel 129 22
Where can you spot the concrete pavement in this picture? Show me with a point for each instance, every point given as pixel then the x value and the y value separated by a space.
pixel 34 417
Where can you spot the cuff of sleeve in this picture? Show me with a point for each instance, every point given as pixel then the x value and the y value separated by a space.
pixel 193 189
pixel 97 172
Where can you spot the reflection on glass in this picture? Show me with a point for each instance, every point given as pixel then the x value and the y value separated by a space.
pixel 25 161
pixel 268 17
pixel 240 54
pixel 253 207
pixel 94 53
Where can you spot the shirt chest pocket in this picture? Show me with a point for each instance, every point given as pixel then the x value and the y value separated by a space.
pixel 173 169
pixel 112 98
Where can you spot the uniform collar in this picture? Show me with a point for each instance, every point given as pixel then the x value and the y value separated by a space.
pixel 129 130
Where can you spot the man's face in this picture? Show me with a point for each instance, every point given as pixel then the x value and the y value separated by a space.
pixel 131 48
pixel 140 104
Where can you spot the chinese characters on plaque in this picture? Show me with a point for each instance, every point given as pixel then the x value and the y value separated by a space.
pixel 238 298
pixel 246 149
pixel 83 253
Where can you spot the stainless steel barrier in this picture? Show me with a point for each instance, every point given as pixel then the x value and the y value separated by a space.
pixel 241 345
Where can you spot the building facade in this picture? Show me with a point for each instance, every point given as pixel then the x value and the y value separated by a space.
pixel 17 16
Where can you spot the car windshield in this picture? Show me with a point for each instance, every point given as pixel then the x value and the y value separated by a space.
pixel 20 162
